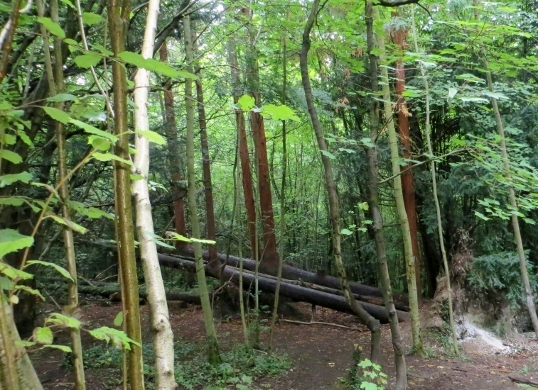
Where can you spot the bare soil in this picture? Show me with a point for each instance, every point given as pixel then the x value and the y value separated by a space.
pixel 321 354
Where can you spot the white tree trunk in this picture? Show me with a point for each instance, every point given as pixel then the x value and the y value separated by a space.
pixel 163 338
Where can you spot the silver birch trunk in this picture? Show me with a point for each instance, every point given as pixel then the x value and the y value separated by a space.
pixel 163 340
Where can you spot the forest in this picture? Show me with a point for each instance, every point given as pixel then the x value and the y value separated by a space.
pixel 232 194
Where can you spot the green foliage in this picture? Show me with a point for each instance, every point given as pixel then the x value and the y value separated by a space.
pixel 499 275
pixel 367 376
pixel 242 365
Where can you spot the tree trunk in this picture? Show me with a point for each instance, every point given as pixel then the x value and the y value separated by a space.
pixel 175 155
pixel 293 291
pixel 246 174
pixel 334 208
pixel 56 85
pixel 118 20
pixel 408 185
pixel 436 199
pixel 163 338
pixel 398 196
pixel 377 218
pixel 16 370
pixel 269 253
pixel 211 334
pixel 206 166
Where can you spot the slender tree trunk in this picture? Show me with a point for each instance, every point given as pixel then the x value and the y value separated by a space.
pixel 206 166
pixel 57 86
pixel 163 340
pixel 377 218
pixel 282 192
pixel 175 155
pixel 118 20
pixel 211 334
pixel 334 210
pixel 398 195
pixel 246 173
pixel 408 185
pixel 529 301
pixel 436 198
pixel 269 252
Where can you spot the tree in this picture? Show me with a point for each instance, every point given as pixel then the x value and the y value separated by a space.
pixel 118 20
pixel 211 335
pixel 163 341
pixel 363 316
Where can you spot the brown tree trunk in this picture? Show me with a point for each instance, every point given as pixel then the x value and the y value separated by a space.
pixel 206 174
pixel 175 155
pixel 408 186
pixel 293 291
pixel 269 253
pixel 246 174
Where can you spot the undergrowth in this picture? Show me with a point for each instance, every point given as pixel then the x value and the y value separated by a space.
pixel 241 365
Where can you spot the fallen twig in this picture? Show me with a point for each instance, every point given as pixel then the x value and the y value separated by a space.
pixel 320 323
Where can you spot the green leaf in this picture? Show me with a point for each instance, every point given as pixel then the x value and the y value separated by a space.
pixel 99 143
pixel 53 27
pixel 328 154
pixel 154 65
pixel 12 201
pixel 94 130
pixel 63 320
pixel 246 102
pixel 495 95
pixel 346 232
pixel 14 273
pixel 90 18
pixel 136 177
pixel 30 290
pixel 110 157
pixel 202 241
pixel 61 270
pixel 12 241
pixel 280 113
pixel 61 97
pixel 57 115
pixel 481 216
pixel 176 236
pixel 452 92
pixel 67 222
pixel 10 156
pixel 87 60
pixel 6 180
pixel 90 212
pixel 43 335
pixel 118 320
pixel 118 337
pixel 152 136
pixel 63 348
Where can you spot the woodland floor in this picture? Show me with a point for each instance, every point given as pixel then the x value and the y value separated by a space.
pixel 320 354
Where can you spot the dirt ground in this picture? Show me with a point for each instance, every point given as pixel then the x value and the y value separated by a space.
pixel 321 354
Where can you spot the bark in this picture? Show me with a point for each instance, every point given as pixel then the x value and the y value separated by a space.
pixel 289 272
pixel 334 208
pixel 206 174
pixel 408 185
pixel 398 195
pixel 112 291
pixel 295 292
pixel 246 174
pixel 529 296
pixel 175 154
pixel 16 370
pixel 118 20
pixel 211 334
pixel 7 34
pixel 163 338
pixel 57 86
pixel 377 218
pixel 436 200
pixel 269 254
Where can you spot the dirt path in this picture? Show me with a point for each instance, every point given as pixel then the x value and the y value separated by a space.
pixel 321 354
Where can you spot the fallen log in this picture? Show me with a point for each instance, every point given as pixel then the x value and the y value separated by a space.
pixel 294 273
pixel 297 293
